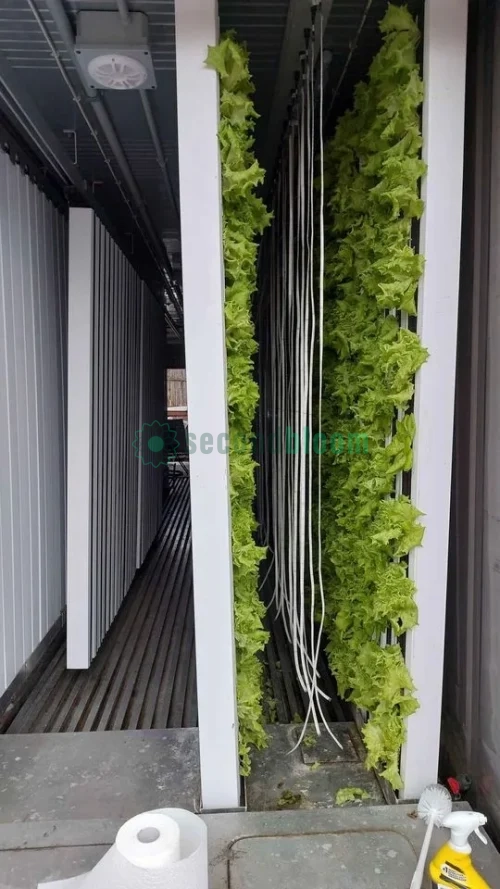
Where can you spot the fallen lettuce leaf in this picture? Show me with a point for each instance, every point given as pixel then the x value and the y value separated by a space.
pixel 351 795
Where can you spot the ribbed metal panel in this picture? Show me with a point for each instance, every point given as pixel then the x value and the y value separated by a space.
pixel 115 370
pixel 21 40
pixel 108 371
pixel 32 417
pixel 152 398
pixel 144 675
pixel 27 52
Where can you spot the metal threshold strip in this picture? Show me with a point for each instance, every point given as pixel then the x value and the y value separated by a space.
pixel 143 676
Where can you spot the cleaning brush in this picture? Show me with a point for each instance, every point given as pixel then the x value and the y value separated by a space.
pixel 434 805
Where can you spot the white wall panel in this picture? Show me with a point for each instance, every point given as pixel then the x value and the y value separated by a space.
pixel 109 372
pixel 32 417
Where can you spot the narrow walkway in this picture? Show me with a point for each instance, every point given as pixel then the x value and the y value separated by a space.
pixel 143 676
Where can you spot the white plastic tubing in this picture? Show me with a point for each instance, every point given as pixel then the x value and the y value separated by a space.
pixel 291 369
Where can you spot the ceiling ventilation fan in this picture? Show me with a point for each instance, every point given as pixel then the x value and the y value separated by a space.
pixel 112 55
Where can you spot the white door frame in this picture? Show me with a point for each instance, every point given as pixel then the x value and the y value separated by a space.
pixel 445 50
pixel 196 24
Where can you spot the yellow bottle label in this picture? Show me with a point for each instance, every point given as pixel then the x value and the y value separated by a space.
pixel 450 875
pixel 449 882
pixel 453 870
pixel 453 873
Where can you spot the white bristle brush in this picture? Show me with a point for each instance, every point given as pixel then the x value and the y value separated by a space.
pixel 433 806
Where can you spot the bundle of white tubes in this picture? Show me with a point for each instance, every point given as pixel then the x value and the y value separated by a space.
pixel 291 334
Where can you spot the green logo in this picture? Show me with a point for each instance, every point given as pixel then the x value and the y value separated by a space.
pixel 156 444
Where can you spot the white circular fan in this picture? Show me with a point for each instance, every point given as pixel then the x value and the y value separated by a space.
pixel 116 72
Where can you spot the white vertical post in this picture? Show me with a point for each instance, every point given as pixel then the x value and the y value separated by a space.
pixel 80 333
pixel 140 466
pixel 445 49
pixel 203 286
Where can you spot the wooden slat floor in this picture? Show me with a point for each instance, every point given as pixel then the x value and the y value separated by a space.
pixel 144 674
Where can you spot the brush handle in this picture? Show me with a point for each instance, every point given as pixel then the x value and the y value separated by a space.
pixel 418 876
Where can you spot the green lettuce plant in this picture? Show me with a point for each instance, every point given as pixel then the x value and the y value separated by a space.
pixel 244 219
pixel 373 166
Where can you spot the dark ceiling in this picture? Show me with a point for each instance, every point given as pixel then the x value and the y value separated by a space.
pixel 26 49
pixel 351 36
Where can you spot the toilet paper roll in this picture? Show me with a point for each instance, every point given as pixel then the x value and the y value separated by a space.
pixel 166 848
pixel 151 840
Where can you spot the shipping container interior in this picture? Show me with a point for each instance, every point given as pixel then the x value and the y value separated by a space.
pixel 67 144
pixel 96 487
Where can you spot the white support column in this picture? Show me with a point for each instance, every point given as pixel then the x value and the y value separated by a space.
pixel 445 47
pixel 203 286
pixel 80 322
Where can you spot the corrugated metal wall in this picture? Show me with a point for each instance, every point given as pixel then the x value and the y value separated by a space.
pixel 33 311
pixel 153 345
pixel 115 379
pixel 471 705
pixel 115 418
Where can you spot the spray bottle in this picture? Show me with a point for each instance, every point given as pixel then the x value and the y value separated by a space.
pixel 452 866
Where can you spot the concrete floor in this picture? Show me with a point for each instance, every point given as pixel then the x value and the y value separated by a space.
pixel 369 848
pixel 64 797
pixel 88 775
pixel 92 775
